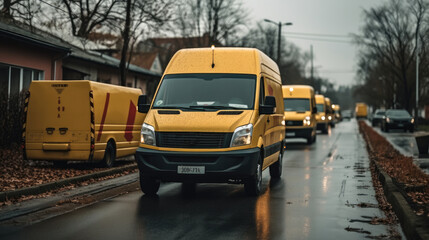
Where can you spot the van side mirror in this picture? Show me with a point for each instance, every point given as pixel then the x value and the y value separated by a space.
pixel 314 110
pixel 143 106
pixel 270 101
pixel 269 105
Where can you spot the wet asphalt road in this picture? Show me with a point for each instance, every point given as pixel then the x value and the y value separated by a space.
pixel 317 198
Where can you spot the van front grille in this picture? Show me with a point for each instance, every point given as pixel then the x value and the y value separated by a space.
pixel 294 123
pixel 193 139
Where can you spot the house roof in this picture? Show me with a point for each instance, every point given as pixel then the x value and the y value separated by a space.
pixel 23 35
pixel 104 59
pixel 40 38
pixel 180 42
pixel 144 60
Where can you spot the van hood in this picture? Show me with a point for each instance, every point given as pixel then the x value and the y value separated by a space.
pixel 197 121
pixel 296 115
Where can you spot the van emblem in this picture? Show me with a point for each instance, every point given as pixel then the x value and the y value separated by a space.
pixel 289 123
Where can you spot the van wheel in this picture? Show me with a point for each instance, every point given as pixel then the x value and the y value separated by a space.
pixel 277 168
pixel 325 129
pixel 149 186
pixel 252 185
pixel 109 155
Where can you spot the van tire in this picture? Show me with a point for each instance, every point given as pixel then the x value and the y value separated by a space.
pixel 277 168
pixel 149 186
pixel 109 155
pixel 325 129
pixel 252 185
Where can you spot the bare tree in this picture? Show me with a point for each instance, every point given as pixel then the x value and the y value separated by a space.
pixel 389 46
pixel 220 19
pixel 20 10
pixel 85 15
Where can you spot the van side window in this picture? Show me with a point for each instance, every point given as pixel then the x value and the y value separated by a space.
pixel 261 91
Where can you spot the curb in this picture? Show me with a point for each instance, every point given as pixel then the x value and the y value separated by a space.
pixel 413 226
pixel 38 189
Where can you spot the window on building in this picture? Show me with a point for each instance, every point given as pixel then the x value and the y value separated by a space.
pixel 14 79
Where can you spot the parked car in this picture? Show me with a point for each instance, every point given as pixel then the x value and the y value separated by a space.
pixel 397 119
pixel 377 117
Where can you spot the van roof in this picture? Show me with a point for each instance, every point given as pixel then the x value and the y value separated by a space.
pixel 225 59
pixel 297 90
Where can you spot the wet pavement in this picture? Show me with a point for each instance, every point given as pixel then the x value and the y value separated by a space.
pixel 325 192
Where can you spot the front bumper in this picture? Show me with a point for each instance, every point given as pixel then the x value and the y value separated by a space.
pixel 400 125
pixel 219 166
pixel 298 132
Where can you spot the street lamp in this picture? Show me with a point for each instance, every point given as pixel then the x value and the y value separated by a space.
pixel 279 24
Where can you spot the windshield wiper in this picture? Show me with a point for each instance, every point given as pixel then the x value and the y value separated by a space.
pixel 179 107
pixel 215 107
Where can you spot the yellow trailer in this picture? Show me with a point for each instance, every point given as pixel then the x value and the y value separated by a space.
pixel 81 120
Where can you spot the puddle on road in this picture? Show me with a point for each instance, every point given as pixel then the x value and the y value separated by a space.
pixel 362 205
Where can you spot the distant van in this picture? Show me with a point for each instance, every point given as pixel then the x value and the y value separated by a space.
pixel 300 112
pixel 361 110
pixel 81 120
pixel 321 115
pixel 217 116
pixel 337 112
pixel 330 112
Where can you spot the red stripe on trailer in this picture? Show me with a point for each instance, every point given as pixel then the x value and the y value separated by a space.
pixel 130 122
pixel 106 105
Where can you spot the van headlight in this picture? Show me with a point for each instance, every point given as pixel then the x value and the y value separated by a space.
pixel 147 135
pixel 329 118
pixel 388 120
pixel 323 118
pixel 412 120
pixel 306 121
pixel 242 135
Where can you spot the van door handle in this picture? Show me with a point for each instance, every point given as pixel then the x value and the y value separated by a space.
pixel 268 120
pixel 50 130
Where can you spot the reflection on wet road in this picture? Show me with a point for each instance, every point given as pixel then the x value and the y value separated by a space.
pixel 319 196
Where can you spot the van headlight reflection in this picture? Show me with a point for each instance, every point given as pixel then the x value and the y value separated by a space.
pixel 242 135
pixel 148 135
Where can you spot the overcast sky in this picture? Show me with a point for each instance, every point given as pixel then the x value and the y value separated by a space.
pixel 334 58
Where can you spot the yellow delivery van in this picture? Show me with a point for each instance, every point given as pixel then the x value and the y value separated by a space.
pixel 361 110
pixel 81 120
pixel 300 112
pixel 321 115
pixel 337 112
pixel 330 112
pixel 217 116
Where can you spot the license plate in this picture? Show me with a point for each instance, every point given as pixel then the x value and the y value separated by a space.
pixel 290 134
pixel 191 169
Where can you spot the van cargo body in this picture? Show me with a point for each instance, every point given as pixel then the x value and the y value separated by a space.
pixel 300 118
pixel 361 110
pixel 217 116
pixel 77 120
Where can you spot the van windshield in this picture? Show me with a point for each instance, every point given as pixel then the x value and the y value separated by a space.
pixel 297 104
pixel 206 91
pixel 320 107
